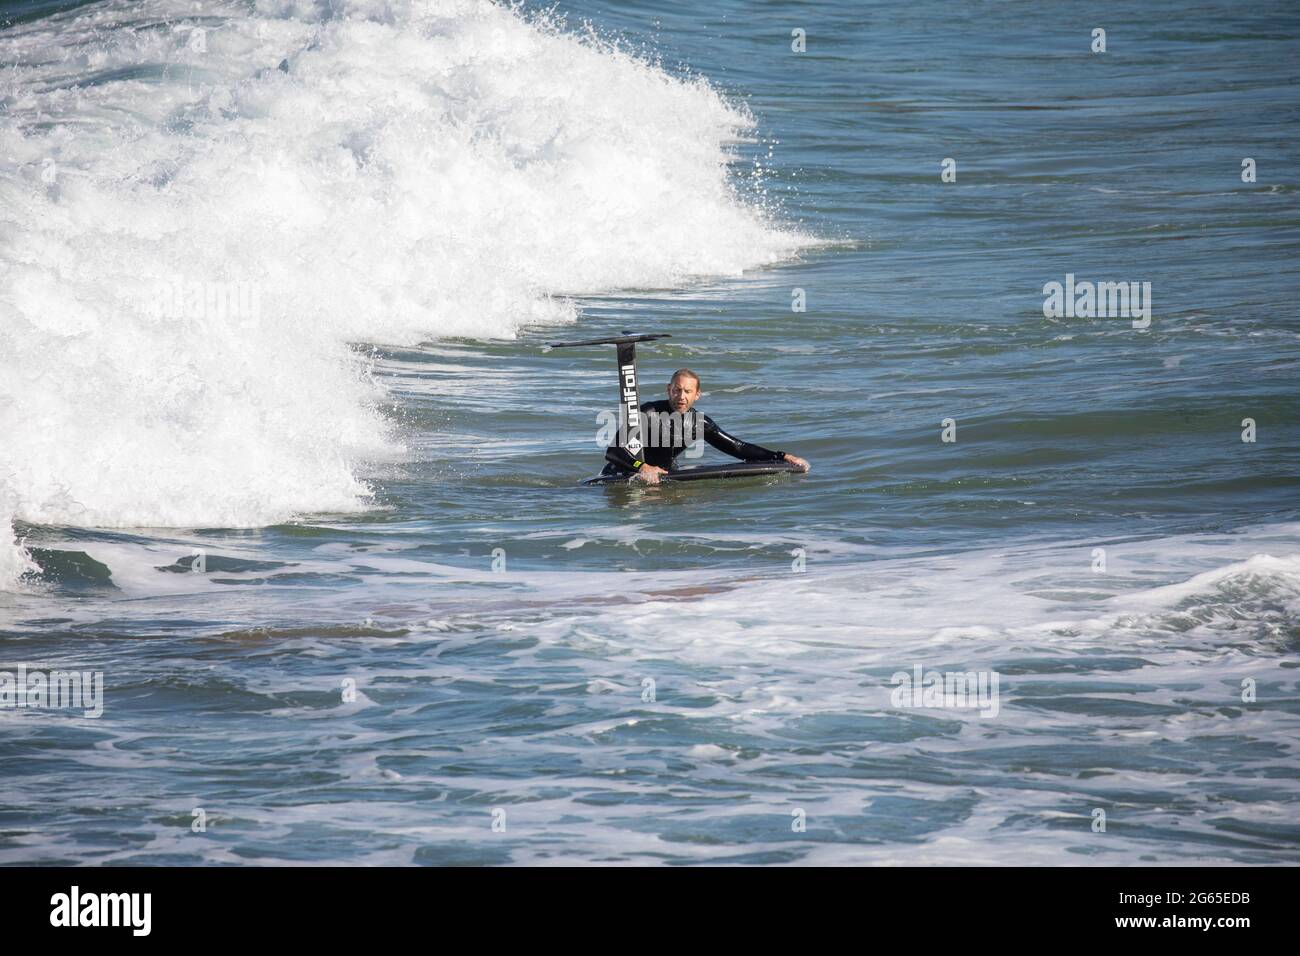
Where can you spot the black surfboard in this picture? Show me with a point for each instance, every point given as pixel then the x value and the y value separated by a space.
pixel 739 469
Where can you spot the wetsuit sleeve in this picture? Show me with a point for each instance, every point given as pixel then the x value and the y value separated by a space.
pixel 618 455
pixel 733 446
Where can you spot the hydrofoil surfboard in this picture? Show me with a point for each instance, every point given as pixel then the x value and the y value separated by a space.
pixel 629 398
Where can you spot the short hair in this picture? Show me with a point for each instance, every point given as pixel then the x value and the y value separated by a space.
pixel 688 373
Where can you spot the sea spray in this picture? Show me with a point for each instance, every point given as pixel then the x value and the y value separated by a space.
pixel 14 559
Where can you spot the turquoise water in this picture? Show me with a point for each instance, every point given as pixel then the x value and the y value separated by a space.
pixel 674 674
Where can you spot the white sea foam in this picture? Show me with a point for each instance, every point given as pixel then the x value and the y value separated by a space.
pixel 14 561
pixel 349 172
pixel 772 692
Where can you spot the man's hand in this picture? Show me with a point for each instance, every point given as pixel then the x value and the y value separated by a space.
pixel 649 474
pixel 798 462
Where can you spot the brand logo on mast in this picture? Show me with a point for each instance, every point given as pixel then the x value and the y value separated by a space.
pixel 630 410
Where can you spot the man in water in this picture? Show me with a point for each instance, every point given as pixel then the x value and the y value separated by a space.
pixel 669 426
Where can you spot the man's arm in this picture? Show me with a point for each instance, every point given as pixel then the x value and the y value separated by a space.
pixel 635 466
pixel 733 446
pixel 743 450
pixel 624 459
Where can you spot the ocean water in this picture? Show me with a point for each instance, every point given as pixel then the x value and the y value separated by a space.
pixel 284 458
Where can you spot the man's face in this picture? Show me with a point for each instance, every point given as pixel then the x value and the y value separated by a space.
pixel 682 393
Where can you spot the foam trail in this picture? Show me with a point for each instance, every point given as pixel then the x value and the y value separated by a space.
pixel 199 212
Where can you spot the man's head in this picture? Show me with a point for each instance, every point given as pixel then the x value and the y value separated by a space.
pixel 683 390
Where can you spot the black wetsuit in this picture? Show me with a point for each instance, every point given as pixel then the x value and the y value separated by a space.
pixel 665 435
